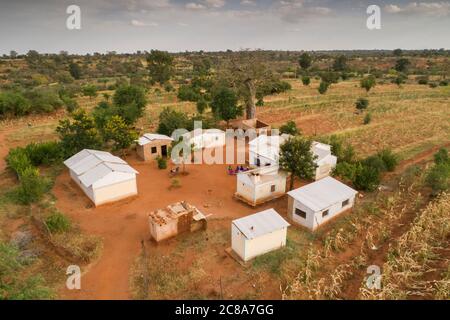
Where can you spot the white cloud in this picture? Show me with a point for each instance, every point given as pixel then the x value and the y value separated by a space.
pixel 248 3
pixel 294 11
pixel 428 8
pixel 195 6
pixel 139 23
pixel 215 3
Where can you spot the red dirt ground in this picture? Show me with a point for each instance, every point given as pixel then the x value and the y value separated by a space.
pixel 123 225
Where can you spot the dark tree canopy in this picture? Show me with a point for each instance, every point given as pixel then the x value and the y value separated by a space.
pixel 129 103
pixel 224 104
pixel 305 61
pixel 160 66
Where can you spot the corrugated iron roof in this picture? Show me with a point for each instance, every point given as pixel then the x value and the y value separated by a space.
pixel 261 223
pixel 95 168
pixel 322 194
pixel 150 137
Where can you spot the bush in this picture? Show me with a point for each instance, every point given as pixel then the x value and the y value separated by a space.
pixel 188 93
pixel 367 118
pixel 375 162
pixel 362 104
pixel 13 284
pixel 389 159
pixel 168 87
pixel 162 163
pixel 44 153
pixel 366 178
pixel 306 80
pixel 422 80
pixel 433 85
pixel 289 127
pixel 201 106
pixel 323 87
pixel 441 156
pixel 443 83
pixel 57 222
pixel 346 170
pixel 32 186
pixel 18 160
pixel 438 178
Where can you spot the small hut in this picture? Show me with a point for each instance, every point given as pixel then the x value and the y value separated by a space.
pixel 176 219
pixel 151 145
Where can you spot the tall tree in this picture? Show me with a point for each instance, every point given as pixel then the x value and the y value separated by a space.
pixel 160 66
pixel 297 158
pixel 75 70
pixel 305 61
pixel 119 133
pixel 224 104
pixel 340 63
pixel 129 102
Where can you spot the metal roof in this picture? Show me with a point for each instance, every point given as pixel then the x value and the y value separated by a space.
pixel 150 137
pixel 322 194
pixel 98 168
pixel 261 223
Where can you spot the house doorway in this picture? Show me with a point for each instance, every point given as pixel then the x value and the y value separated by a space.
pixel 164 151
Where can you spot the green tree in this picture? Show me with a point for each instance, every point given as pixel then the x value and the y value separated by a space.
pixel 118 132
pixel 75 70
pixel 79 134
pixel 306 80
pixel 441 156
pixel 368 82
pixel 224 104
pixel 323 87
pixel 362 104
pixel 129 102
pixel 398 52
pixel 402 65
pixel 170 120
pixel 160 66
pixel 305 61
pixel 32 186
pixel 290 127
pixel 340 63
pixel 366 178
pixel 201 105
pixel 297 158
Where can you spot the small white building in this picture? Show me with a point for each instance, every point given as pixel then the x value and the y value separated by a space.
pixel 152 145
pixel 265 151
pixel 319 202
pixel 325 160
pixel 103 177
pixel 208 138
pixel 260 185
pixel 258 234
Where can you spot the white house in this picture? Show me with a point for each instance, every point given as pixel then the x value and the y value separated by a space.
pixel 208 138
pixel 319 202
pixel 264 151
pixel 152 145
pixel 103 177
pixel 260 185
pixel 325 161
pixel 258 234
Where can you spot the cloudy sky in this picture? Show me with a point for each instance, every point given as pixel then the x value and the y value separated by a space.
pixel 179 25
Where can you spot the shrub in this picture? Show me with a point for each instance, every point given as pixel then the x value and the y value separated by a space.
pixel 438 178
pixel 57 222
pixel 201 106
pixel 306 80
pixel 362 104
pixel 433 85
pixel 443 83
pixel 260 102
pixel 188 93
pixel 323 87
pixel 32 186
pixel 168 87
pixel 375 162
pixel 422 80
pixel 289 127
pixel 389 159
pixel 44 153
pixel 367 118
pixel 18 160
pixel 162 163
pixel 441 156
pixel 13 284
pixel 346 170
pixel 366 178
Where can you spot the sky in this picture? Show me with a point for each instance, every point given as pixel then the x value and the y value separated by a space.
pixel 216 25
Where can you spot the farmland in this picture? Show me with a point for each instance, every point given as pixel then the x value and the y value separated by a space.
pixel 382 229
